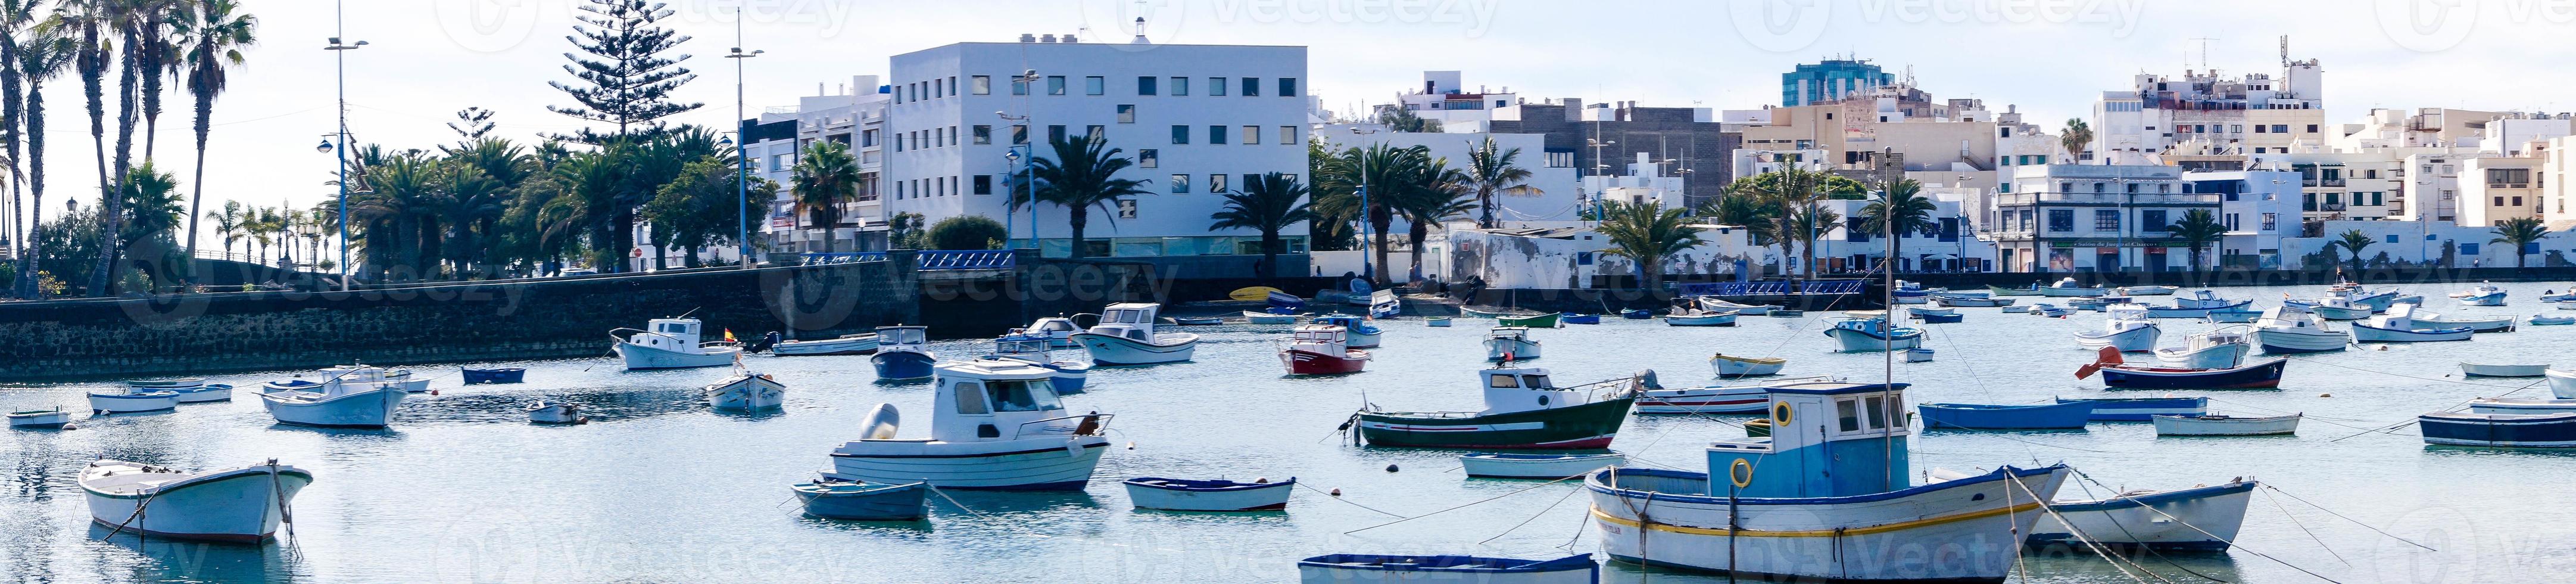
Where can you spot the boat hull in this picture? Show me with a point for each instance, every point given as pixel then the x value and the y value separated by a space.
pixel 124 403
pixel 1722 319
pixel 481 376
pixel 1855 341
pixel 2281 341
pixel 862 345
pixel 1369 569
pixel 1169 495
pixel 1013 465
pixel 2371 334
pixel 894 365
pixel 2059 416
pixel 1705 400
pixel 2180 311
pixel 639 357
pixel 1535 466
pixel 51 419
pixel 2203 519
pixel 746 392
pixel 2141 409
pixel 874 502
pixel 2339 312
pixel 2489 299
pixel 1515 349
pixel 1113 351
pixel 2226 426
pixel 2500 430
pixel 1878 537
pixel 2562 384
pixel 2136 340
pixel 237 505
pixel 1585 426
pixel 1969 302
pixel 373 408
pixel 1304 362
pixel 1548 320
pixel 2492 370
pixel 2211 357
pixel 2265 375
pixel 1730 367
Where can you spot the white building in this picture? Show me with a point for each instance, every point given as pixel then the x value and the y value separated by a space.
pixel 2067 217
pixel 854 116
pixel 1951 244
pixel 1647 181
pixel 1443 98
pixel 1568 255
pixel 1196 119
pixel 2425 242
pixel 1551 193
pixel 2256 112
pixel 2259 207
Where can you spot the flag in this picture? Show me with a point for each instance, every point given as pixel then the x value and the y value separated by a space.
pixel 728 335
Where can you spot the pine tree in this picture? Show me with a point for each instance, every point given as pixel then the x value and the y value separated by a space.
pixel 621 76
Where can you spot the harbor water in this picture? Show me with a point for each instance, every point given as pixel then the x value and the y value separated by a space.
pixel 659 489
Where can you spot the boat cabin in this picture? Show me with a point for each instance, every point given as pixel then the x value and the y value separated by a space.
pixel 997 399
pixel 1022 344
pixel 1345 321
pixel 1319 338
pixel 904 337
pixel 1828 439
pixel 2284 317
pixel 1053 326
pixel 1130 320
pixel 1527 389
pixel 1518 333
pixel 669 334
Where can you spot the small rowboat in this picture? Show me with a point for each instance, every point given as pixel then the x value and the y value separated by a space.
pixel 1198 320
pixel 856 344
pixel 864 501
pixel 1474 313
pixel 746 391
pixel 192 390
pixel 1494 465
pixel 1268 318
pixel 132 400
pixel 2217 425
pixel 2491 405
pixel 1638 314
pixel 2148 291
pixel 2265 375
pixel 53 418
pixel 2491 370
pixel 2503 430
pixel 2139 409
pixel 1964 301
pixel 1572 318
pixel 1732 366
pixel 555 412
pixel 1701 319
pixel 1353 568
pixel 1213 495
pixel 2062 416
pixel 2540 320
pixel 2199 519
pixel 1935 315
pixel 2047 310
pixel 1548 320
pixel 508 375
pixel 1438 321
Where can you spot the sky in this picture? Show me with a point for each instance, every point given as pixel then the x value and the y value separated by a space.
pixel 425 59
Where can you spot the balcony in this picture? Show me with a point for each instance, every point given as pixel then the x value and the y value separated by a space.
pixel 2321 182
pixel 2025 199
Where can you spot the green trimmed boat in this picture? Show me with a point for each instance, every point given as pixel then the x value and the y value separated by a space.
pixel 1523 410
pixel 1533 321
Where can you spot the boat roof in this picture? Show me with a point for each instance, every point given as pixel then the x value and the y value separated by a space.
pixel 994 369
pixel 1134 306
pixel 1836 387
pixel 1516 370
pixel 901 327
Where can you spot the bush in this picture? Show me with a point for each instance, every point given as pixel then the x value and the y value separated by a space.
pixel 967 232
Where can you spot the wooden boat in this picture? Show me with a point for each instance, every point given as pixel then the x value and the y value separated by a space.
pixel 1376 569
pixel 1523 410
pixel 1637 314
pixel 192 390
pixel 53 418
pixel 2148 290
pixel 1126 336
pixel 1861 335
pixel 1934 315
pixel 2562 383
pixel 2212 349
pixel 994 425
pixel 2139 409
pixel 2557 430
pixel 856 344
pixel 1548 320
pixel 2545 320
pixel 503 375
pixel 1209 495
pixel 129 400
pixel 2118 375
pixel 1361 334
pixel 672 343
pixel 2033 290
pixel 2493 405
pixel 2399 326
pixel 1733 366
pixel 2217 425
pixel 1496 465
pixel 746 391
pixel 1320 349
pixel 2067 287
pixel 1572 318
pixel 1198 320
pixel 2198 519
pixel 864 501
pixel 555 412
pixel 1510 343
pixel 1740 398
pixel 1250 317
pixel 2495 370
pixel 1688 317
pixel 903 352
pixel 2128 329
pixel 1436 321
pixel 242 504
pixel 1715 304
pixel 359 398
pixel 2290 330
pixel 2058 416
pixel 1963 301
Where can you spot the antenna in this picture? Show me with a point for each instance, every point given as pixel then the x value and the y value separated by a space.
pixel 2285 51
pixel 2204 51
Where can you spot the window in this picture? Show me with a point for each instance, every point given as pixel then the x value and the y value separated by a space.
pixel 983 135
pixel 2269 220
pixel 1287 87
pixel 1095 133
pixel 1251 134
pixel 1019 85
pixel 1126 210
pixel 1849 411
pixel 983 184
pixel 2312 128
pixel 1095 85
pixel 1180 134
pixel 2392 238
pixel 2499 201
pixel 2152 220
pixel 1288 135
pixel 1216 86
pixel 1055 85
pixel 1180 184
pixel 952 135
pixel 1055 134
pixel 2280 128
pixel 1251 87
pixel 970 398
pixel 980 84
pixel 1127 112
pixel 1855 229
pixel 1017 396
pixel 1145 85
pixel 2259 128
pixel 2061 220
pixel 1020 134
pixel 2468 248
pixel 1250 179
pixel 1216 183
pixel 1877 412
pixel 1216 134
pixel 2106 220
pixel 1180 86
pixel 1149 158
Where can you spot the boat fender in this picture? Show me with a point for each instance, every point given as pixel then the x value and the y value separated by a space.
pixel 1131 445
pixel 1390 468
pixel 880 423
pixel 1337 491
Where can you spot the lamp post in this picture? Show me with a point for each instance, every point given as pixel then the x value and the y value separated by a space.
pixel 1368 269
pixel 742 170
pixel 1011 159
pixel 340 64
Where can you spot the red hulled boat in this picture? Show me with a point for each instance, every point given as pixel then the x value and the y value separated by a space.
pixel 1321 350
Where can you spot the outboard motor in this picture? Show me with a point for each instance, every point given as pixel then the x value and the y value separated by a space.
pixel 1646 380
pixel 766 341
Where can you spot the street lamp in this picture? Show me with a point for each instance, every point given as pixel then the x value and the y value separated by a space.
pixel 1011 160
pixel 1368 270
pixel 340 64
pixel 742 159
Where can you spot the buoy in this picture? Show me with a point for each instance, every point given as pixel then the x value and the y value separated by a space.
pixel 1131 445
pixel 433 392
pixel 2325 395
pixel 1260 480
pixel 1337 491
pixel 1390 468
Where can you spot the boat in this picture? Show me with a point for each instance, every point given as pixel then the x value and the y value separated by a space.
pixel 2212 349
pixel 2543 320
pixel 1715 304
pixel 2235 315
pixel 1787 313
pixel 2179 311
pixel 2099 303
pixel 1126 336
pixel 1250 317
pixel 1742 398
pixel 1775 518
pixel 2284 329
pixel 1934 315
pixel 192 390
pixel 2128 329
pixel 1510 343
pixel 1436 321
pixel 2067 287
pixel 128 399
pixel 2199 519
pixel 1362 334
pixel 2494 405
pixel 402 378
pixel 1859 335
pixel 1197 320
pixel 2150 290
pixel 1963 301
pixel 1320 349
pixel 2118 375
pixel 1902 296
pixel 2482 295
pixel 2555 296
pixel 1254 293
pixel 53 418
pixel 1572 318
pixel 1497 465
pixel 2495 370
pixel 357 398
pixel 2219 425
pixel 1757 427
pixel 746 391
pixel 994 425
pixel 2399 326
pixel 2138 409
pixel 2032 290
pixel 1375 569
pixel 1209 495
pixel 2050 311
pixel 555 412
pixel 503 375
pixel 1070 376
pixel 1732 366
pixel 2562 383
pixel 1524 409
pixel 2555 430
pixel 903 352
pixel 672 343
pixel 1474 313
pixel 2054 416
pixel 1548 320
pixel 1637 314
pixel 1696 317
pixel 2017 310
pixel 863 501
pixel 2482 324
pixel 2206 299
pixel 242 504
pixel 1059 330
pixel 855 344
pixel 1918 355
pixel 1280 301
pixel 2334 308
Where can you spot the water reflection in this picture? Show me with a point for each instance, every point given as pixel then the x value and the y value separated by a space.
pixel 173 560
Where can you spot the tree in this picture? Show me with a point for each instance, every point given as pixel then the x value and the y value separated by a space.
pixel 905 231
pixel 39 56
pixel 1398 119
pixel 2197 230
pixel 1902 203
pixel 627 81
pixel 2077 138
pixel 153 214
pixel 1269 205
pixel 1432 194
pixel 227 224
pixel 2519 232
pixel 214 36
pixel 155 43
pixel 1793 192
pixel 1326 231
pixel 1646 233
pixel 967 232
pixel 86 22
pixel 825 175
pixel 1383 171
pixel 1752 213
pixel 704 206
pixel 15 18
pixel 1078 177
pixel 1492 172
pixel 2354 241
pixel 473 123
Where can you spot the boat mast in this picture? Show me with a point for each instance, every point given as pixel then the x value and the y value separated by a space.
pixel 1887 383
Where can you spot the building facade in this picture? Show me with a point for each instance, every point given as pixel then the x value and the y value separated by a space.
pixel 1596 138
pixel 854 117
pixel 2063 217
pixel 1830 80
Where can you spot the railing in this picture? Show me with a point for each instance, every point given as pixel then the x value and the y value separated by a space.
pixel 825 259
pixel 1817 287
pixel 2321 182
pixel 982 259
pixel 2009 199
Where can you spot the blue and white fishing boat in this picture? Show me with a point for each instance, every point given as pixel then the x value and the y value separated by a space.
pixel 2179 311
pixel 2556 430
pixel 2483 295
pixel 1715 304
pixel 2148 290
pixel 2399 326
pixel 357 398
pixel 1070 376
pixel 1250 317
pixel 2335 308
pixel 2238 314
pixel 2140 409
pixel 1126 336
pixel 498 375
pixel 1209 495
pixel 994 425
pixel 1934 315
pixel 2050 310
pixel 1497 465
pixel 1861 335
pixel 1697 317
pixel 745 392
pixel 1637 314
pixel 1377 569
pixel 2057 416
pixel 2499 405
pixel 1383 304
pixel 1956 300
pixel 192 390
pixel 1361 334
pixel 2128 329
pixel 242 504
pixel 2119 375
pixel 2290 330
pixel 2198 519
pixel 2068 287
pixel 2546 320
pixel 903 352
pixel 2206 299
pixel 2212 349
pixel 1575 318
pixel 862 501
pixel 1510 343
pixel 1058 330
pixel 1436 321
pixel 854 344
pixel 673 343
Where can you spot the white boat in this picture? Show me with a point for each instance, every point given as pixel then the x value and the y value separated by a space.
pixel 2198 519
pixel 555 412
pixel 1125 336
pixel 1384 569
pixel 2483 324
pixel 2483 295
pixel 1733 366
pixel 2128 329
pixel 2068 287
pixel 1250 317
pixel 126 399
pixel 1773 518
pixel 401 378
pixel 1495 465
pixel 240 504
pixel 2493 405
pixel 1510 343
pixel 53 418
pixel 2223 348
pixel 2205 299
pixel 2399 326
pixel 2496 370
pixel 192 390
pixel 1697 317
pixel 2289 330
pixel 2148 290
pixel 673 343
pixel 2049 310
pixel 2098 303
pixel 746 391
pixel 1070 376
pixel 994 425
pixel 1737 398
pixel 1965 301
pixel 1918 355
pixel 856 344
pixel 1861 335
pixel 357 398
pixel 2562 383
pixel 1058 330
pixel 1209 495
pixel 1713 304
pixel 2010 309
pixel 2339 308
pixel 2219 425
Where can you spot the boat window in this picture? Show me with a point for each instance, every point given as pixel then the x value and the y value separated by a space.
pixel 1877 412
pixel 1138 334
pixel 1505 381
pixel 1021 396
pixel 970 398
pixel 1537 382
pixel 1850 411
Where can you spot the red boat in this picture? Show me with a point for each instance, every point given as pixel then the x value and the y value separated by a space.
pixel 1321 350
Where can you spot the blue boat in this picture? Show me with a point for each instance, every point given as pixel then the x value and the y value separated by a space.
pixel 1861 335
pixel 833 499
pixel 1033 349
pixel 2058 416
pixel 1572 318
pixel 2141 409
pixel 509 375
pixel 1282 301
pixel 2265 375
pixel 1360 334
pixel 2503 430
pixel 2180 310
pixel 1638 314
pixel 903 352
pixel 2239 314
pixel 1935 315
pixel 1377 568
pixel 2199 519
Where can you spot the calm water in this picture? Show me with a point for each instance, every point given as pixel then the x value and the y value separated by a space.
pixel 659 489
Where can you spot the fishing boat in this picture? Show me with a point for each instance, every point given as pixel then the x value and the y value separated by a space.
pixel 2211 349
pixel 358 398
pixel 1059 330
pixel 1209 495
pixel 555 412
pixel 2206 299
pixel 1861 335
pixel 192 390
pixel 2499 370
pixel 2198 519
pixel 1962 301
pixel 2562 383
pixel 1696 317
pixel 1916 295
pixel 1733 366
pixel 2238 314
pixel 2289 330
pixel 2496 405
pixel 502 375
pixel 2555 296
pixel 2119 375
pixel 2139 409
pixel 1934 315
pixel 854 344
pixel 2544 320
pixel 1637 314
pixel 2128 329
pixel 1715 304
pixel 1126 336
pixel 2556 430
pixel 2056 416
pixel 1524 409
pixel 402 378
pixel 1362 335
pixel 1320 349
pixel 1510 343
pixel 1383 304
pixel 1497 465
pixel 746 391
pixel 2482 295
pixel 1773 517
pixel 2067 287
pixel 2333 308
pixel 2219 425
pixel 1474 313
pixel 1548 320
pixel 994 425
pixel 1250 317
pixel 2481 324
pixel 1197 321
pixel 672 343
pixel 53 418
pixel 2049 310
pixel 2180 311
pixel 1070 376
pixel 1572 318
pixel 1436 321
pixel 903 352
pixel 1376 569
pixel 127 399
pixel 1739 398
pixel 2148 290
pixel 2099 303
pixel 241 504
pixel 2399 326
pixel 2032 290
pixel 1918 355
pixel 863 501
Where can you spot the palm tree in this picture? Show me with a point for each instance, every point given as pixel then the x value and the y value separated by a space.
pixel 38 56
pixel 227 223
pixel 2353 241
pixel 2519 232
pixel 1433 194
pixel 154 51
pixel 214 37
pixel 825 176
pixel 2197 230
pixel 1492 172
pixel 1902 203
pixel 1648 234
pixel 15 16
pixel 1792 192
pixel 1269 206
pixel 2077 138
pixel 1080 176
pixel 86 23
pixel 1381 170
